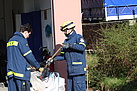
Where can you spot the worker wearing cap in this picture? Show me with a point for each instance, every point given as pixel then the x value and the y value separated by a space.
pixel 74 54
pixel 20 58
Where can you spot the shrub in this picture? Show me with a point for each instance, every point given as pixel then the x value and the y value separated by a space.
pixel 115 62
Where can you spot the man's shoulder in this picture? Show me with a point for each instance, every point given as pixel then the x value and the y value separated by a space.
pixel 17 38
pixel 79 36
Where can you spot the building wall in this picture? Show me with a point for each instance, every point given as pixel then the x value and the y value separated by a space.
pixel 6 19
pixel 2 32
pixel 65 10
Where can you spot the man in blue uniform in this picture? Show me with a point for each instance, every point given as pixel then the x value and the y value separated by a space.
pixel 74 54
pixel 20 59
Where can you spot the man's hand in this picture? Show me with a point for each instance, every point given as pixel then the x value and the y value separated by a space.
pixel 41 69
pixel 67 45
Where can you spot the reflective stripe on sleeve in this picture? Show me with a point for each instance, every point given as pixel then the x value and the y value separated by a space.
pixel 27 53
pixel 15 74
pixel 12 43
pixel 10 73
pixel 62 52
pixel 76 62
pixel 85 69
pixel 82 43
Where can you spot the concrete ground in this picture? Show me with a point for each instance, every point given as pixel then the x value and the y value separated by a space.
pixel 3 89
pixel 6 89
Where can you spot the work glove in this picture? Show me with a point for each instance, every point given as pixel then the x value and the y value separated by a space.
pixel 41 69
pixel 67 45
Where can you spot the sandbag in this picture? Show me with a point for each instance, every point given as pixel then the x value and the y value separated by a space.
pixel 52 83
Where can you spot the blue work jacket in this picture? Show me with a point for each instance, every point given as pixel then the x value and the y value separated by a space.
pixel 19 57
pixel 75 57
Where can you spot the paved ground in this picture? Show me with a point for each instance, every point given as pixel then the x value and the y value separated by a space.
pixel 6 89
pixel 3 89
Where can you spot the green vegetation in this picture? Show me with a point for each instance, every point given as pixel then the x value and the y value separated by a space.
pixel 113 67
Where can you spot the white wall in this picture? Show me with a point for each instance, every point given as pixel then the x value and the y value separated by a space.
pixel 47 41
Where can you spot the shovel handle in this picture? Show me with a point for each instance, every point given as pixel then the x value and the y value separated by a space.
pixel 56 52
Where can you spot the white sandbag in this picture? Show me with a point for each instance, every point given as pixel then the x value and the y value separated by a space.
pixel 51 83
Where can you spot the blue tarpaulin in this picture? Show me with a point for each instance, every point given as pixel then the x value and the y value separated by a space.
pixel 109 3
pixel 120 9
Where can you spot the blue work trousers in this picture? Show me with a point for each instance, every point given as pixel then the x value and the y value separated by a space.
pixel 77 83
pixel 18 85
